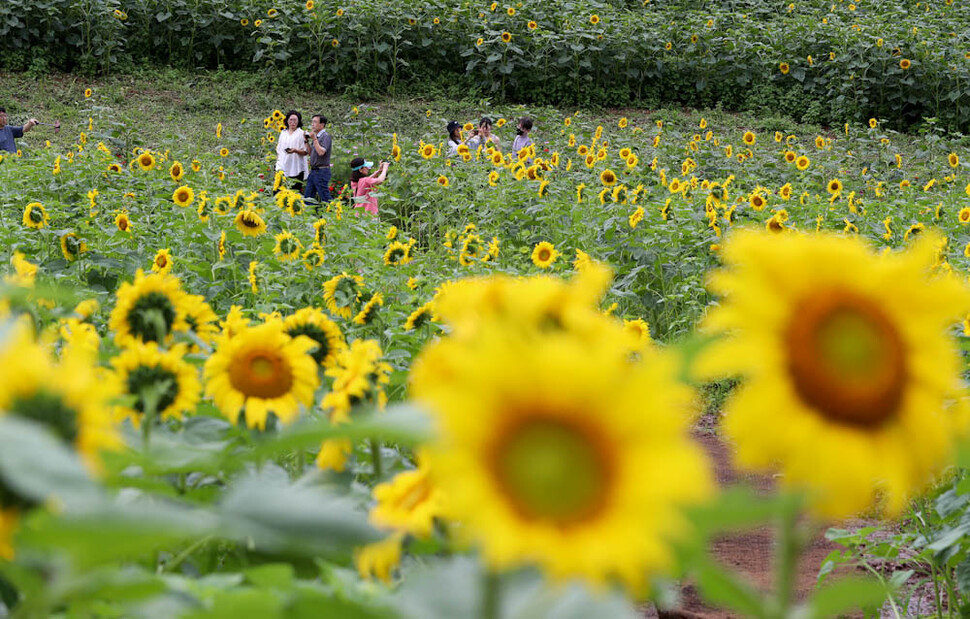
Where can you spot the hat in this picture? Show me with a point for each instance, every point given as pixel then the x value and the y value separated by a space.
pixel 452 125
pixel 366 164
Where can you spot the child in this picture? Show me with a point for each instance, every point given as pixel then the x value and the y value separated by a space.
pixel 522 139
pixel 362 182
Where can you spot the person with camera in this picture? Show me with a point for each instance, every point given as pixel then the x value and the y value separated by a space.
pixel 9 133
pixel 292 149
pixel 483 136
pixel 321 143
pixel 362 183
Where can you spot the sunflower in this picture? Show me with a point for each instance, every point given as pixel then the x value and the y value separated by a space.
pixel 262 370
pixel 221 245
pixel 176 171
pixel 200 320
pixel 272 13
pixel 506 37
pixel 162 378
pixel 427 151
pixel 913 231
pixel 409 503
pixel 341 293
pixel 309 5
pixel 544 254
pixel 148 310
pixel 250 223
pixel 35 216
pixel 443 180
pixel 183 196
pixel 472 249
pixel 397 253
pixel 757 201
pixel 146 161
pixel 377 559
pixel 790 156
pixel 594 19
pixel 70 397
pixel 847 369
pixel 636 217
pixel 748 138
pixel 288 247
pixel 819 142
pixel 532 25
pixel 905 64
pixel 325 333
pixel 420 317
pixel 162 263
pixel 608 177
pixel 313 257
pixel 122 222
pixel 369 310
pixel 834 187
pixel 253 279
pixel 953 159
pixel 546 455
pixel 784 68
pixel 964 215
pixel 802 163
pixel 115 168
pixel 72 246
pixel 223 152
pixel 638 331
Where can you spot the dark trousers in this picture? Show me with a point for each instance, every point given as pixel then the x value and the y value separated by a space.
pixel 318 185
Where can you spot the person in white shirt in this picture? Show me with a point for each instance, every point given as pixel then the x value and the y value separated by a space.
pixel 292 149
pixel 454 138
pixel 483 136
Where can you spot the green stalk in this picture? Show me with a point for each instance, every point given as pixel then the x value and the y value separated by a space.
pixel 491 594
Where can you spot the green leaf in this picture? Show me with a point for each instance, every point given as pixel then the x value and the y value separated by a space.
pixel 845 595
pixel 722 588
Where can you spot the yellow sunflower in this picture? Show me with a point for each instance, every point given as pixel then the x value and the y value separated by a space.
pixel 847 367
pixel 397 253
pixel 72 246
pixel 748 138
pixel 548 456
pixel 162 262
pixel 905 63
pixel 250 223
pixel 427 151
pixel 200 320
pixel 608 177
pixel 802 163
pixel 506 37
pixel 123 222
pixel 953 159
pixel 314 257
pixel 834 187
pixel 594 19
pixel 341 293
pixel 146 161
pixel 262 370
pixel 369 310
pixel 148 310
pixel 325 333
pixel 288 247
pixel 544 254
pixel 164 378
pixel 70 397
pixel 420 317
pixel 409 503
pixel 183 196
pixel 35 216
pixel 176 171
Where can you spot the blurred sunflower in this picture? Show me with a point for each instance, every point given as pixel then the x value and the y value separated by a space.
pixel 847 370
pixel 250 223
pixel 369 309
pixel 341 293
pixel 420 317
pixel 608 177
pixel 953 159
pixel 506 37
pixel 287 247
pixel 147 310
pixel 262 370
pixel 122 222
pixel 314 324
pixel 162 378
pixel 749 138
pixel 162 263
pixel 35 216
pixel 397 253
pixel 176 171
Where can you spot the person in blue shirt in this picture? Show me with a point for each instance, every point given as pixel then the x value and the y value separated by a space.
pixel 8 134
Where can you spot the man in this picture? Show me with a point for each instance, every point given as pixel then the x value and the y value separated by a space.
pixel 321 143
pixel 8 134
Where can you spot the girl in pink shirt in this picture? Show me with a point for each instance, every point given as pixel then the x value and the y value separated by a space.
pixel 362 183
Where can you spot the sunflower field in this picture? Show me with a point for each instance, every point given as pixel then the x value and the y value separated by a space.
pixel 824 61
pixel 220 399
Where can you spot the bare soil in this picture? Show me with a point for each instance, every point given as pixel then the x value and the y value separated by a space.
pixel 748 553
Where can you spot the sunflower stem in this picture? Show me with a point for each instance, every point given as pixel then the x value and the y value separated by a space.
pixel 375 454
pixel 788 548
pixel 491 594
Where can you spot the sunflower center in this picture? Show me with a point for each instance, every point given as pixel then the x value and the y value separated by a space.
pixel 552 470
pixel 543 255
pixel 36 216
pixel 147 380
pixel 846 359
pixel 249 221
pixel 261 374
pixel 151 317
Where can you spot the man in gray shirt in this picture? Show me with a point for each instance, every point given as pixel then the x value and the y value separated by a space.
pixel 318 183
pixel 8 133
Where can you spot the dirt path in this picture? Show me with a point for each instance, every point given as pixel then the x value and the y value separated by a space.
pixel 749 553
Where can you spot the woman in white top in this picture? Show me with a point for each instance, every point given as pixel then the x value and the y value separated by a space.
pixel 483 135
pixel 291 150
pixel 454 138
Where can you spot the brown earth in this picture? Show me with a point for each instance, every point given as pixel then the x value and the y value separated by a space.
pixel 748 553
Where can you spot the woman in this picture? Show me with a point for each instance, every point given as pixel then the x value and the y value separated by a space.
pixel 483 135
pixel 291 150
pixel 454 138
pixel 362 183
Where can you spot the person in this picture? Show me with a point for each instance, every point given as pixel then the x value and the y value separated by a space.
pixel 9 133
pixel 291 150
pixel 321 143
pixel 454 138
pixel 483 136
pixel 522 139
pixel 362 183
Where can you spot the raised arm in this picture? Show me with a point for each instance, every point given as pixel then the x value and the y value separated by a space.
pixel 30 124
